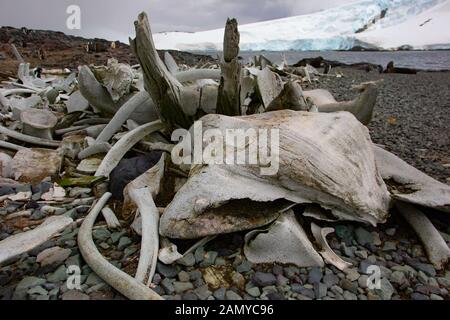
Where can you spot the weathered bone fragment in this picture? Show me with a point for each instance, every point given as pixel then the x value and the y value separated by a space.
pixel 314 165
pixel 413 186
pixel 4 104
pixel 97 95
pixel 96 148
pixel 77 102
pixel 316 212
pixel 270 86
pixel 171 64
pixel 15 245
pixel 197 74
pixel 437 249
pixel 117 79
pixel 16 53
pixel 228 101
pixel 11 146
pixel 121 116
pixel 162 86
pixel 119 280
pixel 122 146
pixel 110 217
pixel 326 252
pixel 30 139
pixel 291 97
pixel 168 253
pixel 38 123
pixel 284 241
pixel 362 107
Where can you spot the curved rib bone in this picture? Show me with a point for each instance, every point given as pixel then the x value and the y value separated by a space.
pixel 421 189
pixel 328 255
pixel 437 249
pixel 110 218
pixel 284 241
pixel 97 148
pixel 150 237
pixel 118 279
pixel 122 115
pixel 12 146
pixel 26 241
pixel 25 138
pixel 197 74
pixel 123 145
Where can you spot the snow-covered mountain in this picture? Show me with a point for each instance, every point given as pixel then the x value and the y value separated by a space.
pixel 382 24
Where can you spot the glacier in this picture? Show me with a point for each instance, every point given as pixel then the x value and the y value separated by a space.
pixel 371 24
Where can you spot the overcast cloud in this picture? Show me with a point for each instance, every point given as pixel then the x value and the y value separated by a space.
pixel 113 19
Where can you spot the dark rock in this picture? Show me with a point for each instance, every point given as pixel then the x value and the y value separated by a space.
pixel 275 296
pixel 330 280
pixel 419 297
pixel 264 279
pixel 166 271
pixel 363 237
pixel 315 275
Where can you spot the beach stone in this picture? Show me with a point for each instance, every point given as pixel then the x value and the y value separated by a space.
pixel 345 233
pixel 32 165
pixel 330 280
pixel 53 256
pixel 363 237
pixel 195 275
pixel 238 280
pixel 168 287
pixel 349 286
pixel 59 275
pixel 232 296
pixel 362 281
pixel 352 274
pixel 337 290
pixel 183 276
pixel 275 296
pixel 190 296
pixel 264 279
pixel 389 246
pixel 115 237
pixel 444 282
pixel 361 254
pixel 93 280
pixel 320 290
pixel 297 288
pixel 291 272
pixel 101 234
pixel 181 287
pixel 187 261
pixel 209 259
pixel 428 269
pixel 123 243
pixel 282 281
pixel 20 292
pixel 417 251
pixel 166 271
pixel 419 297
pixel 75 295
pixel 386 290
pixel 219 294
pixel 315 275
pixel 398 278
pixel 254 292
pixel 203 292
pixel 244 267
pixel 156 279
pixel 391 232
pixel 277 270
pixel 89 166
pixel 199 254
pixel 376 239
pixel 436 297
pixel 350 296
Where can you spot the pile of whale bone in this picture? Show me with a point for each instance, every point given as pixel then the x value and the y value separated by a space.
pixel 327 161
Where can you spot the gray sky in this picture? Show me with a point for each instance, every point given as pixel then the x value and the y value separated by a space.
pixel 113 19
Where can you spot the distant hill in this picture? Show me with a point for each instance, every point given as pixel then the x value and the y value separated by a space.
pixel 51 49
